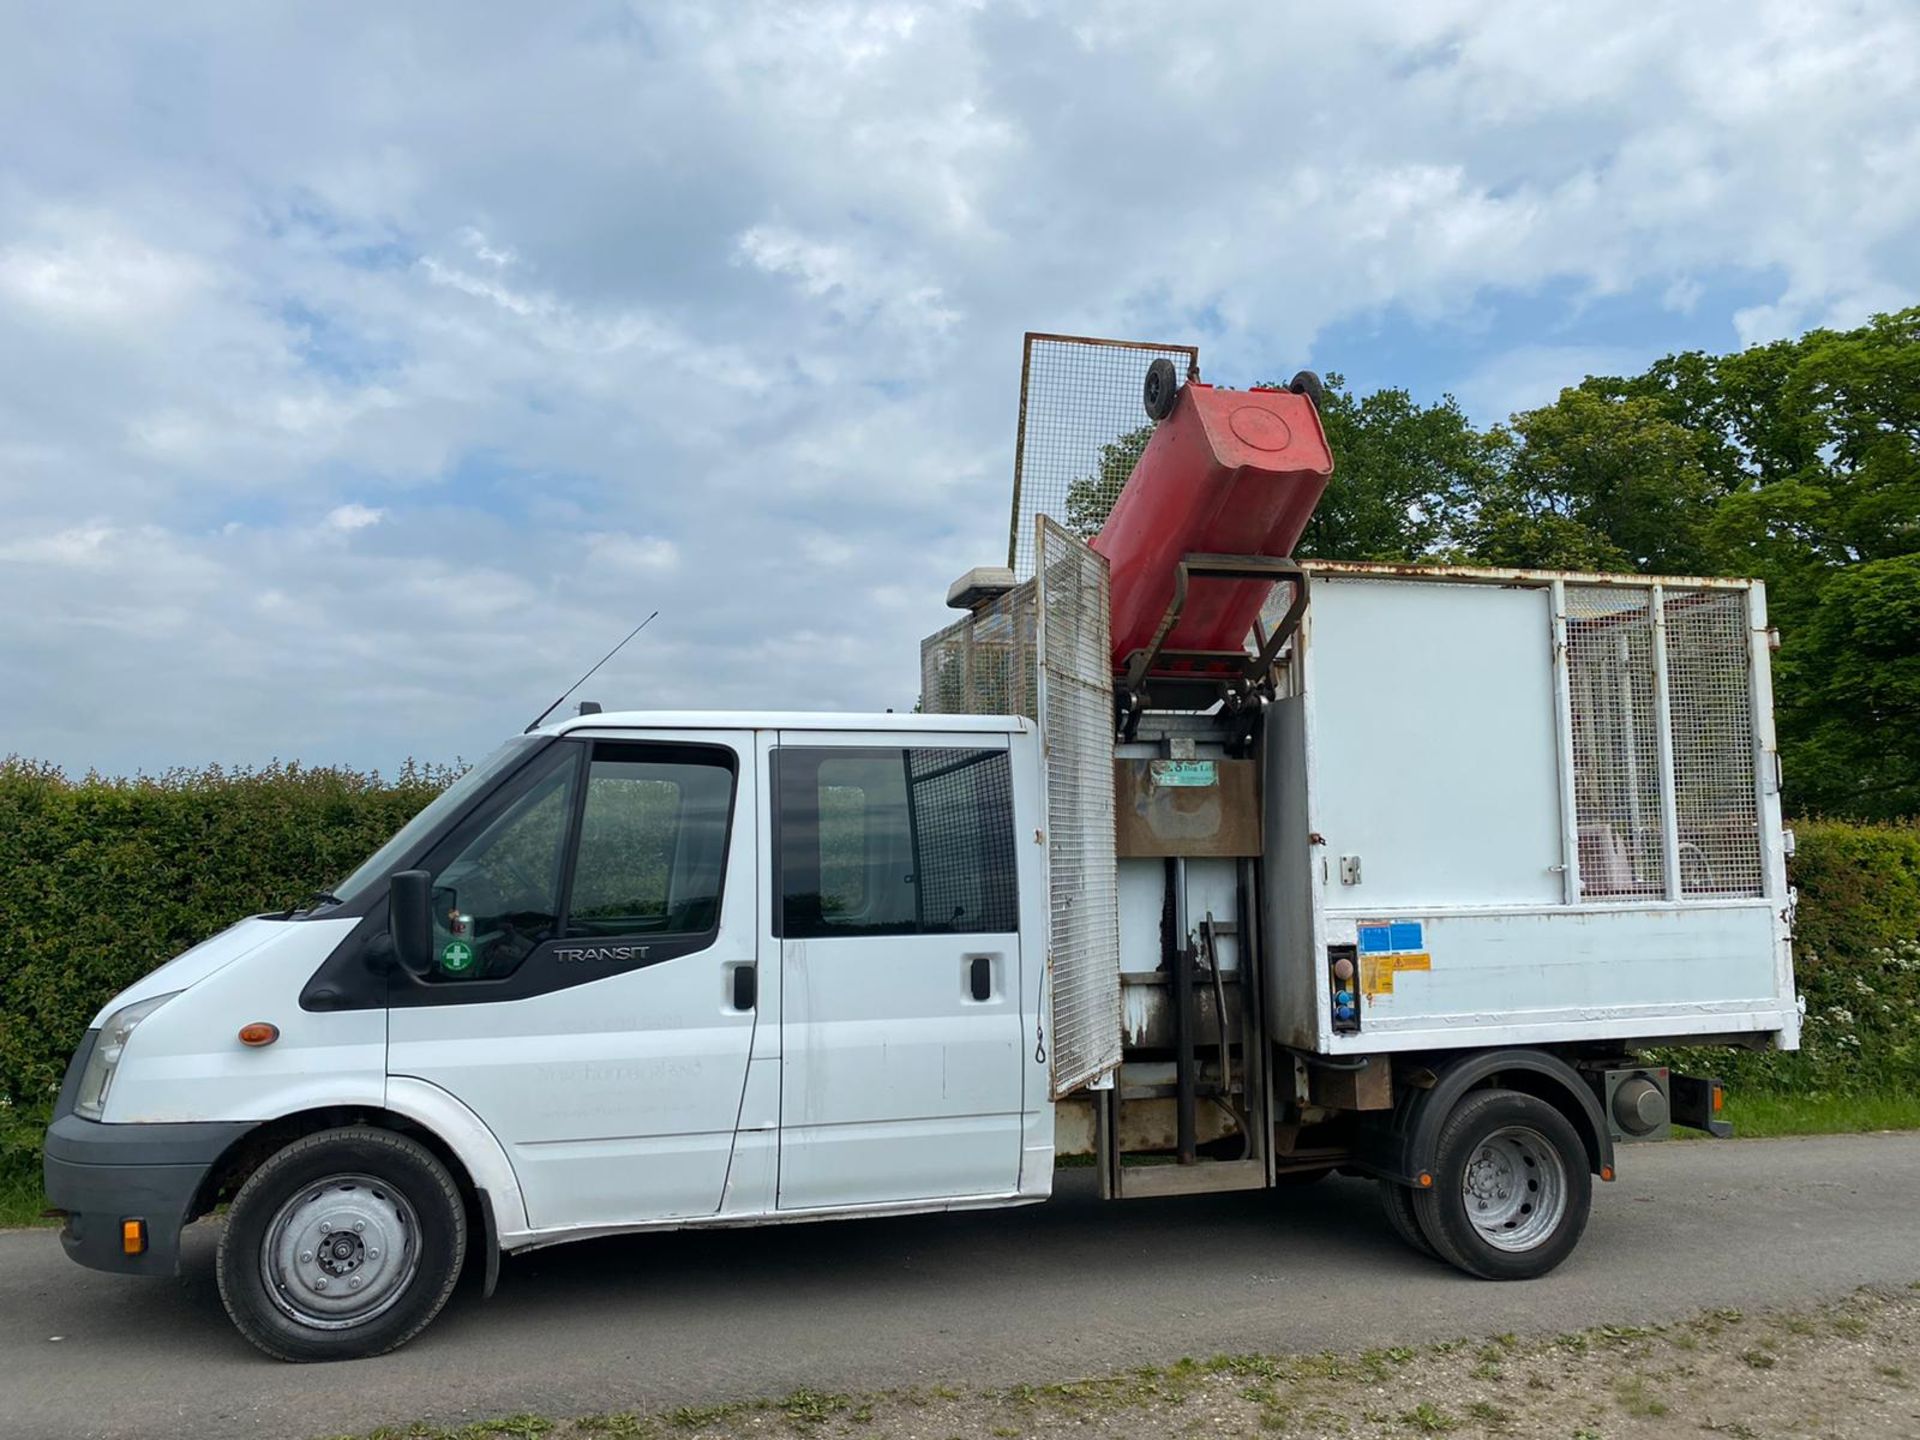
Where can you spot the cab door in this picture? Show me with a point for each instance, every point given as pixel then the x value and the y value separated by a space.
pixel 897 915
pixel 595 995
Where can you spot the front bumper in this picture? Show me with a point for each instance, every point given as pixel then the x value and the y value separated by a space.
pixel 103 1175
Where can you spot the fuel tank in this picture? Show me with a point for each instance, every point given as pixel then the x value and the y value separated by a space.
pixel 1227 472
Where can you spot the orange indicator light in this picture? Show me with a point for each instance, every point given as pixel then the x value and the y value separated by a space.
pixel 259 1033
pixel 133 1236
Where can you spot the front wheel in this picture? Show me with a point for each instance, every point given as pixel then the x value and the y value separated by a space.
pixel 342 1245
pixel 1511 1188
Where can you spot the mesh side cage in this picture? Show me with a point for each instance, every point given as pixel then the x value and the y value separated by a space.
pixel 1081 428
pixel 1613 678
pixel 1077 733
pixel 1616 742
pixel 1043 650
pixel 1710 699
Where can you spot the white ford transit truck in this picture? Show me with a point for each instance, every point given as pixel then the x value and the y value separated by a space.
pixel 1407 897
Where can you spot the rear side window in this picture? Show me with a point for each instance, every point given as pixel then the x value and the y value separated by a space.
pixel 889 841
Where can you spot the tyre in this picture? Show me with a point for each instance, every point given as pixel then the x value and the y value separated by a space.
pixel 1162 386
pixel 1511 1188
pixel 1396 1201
pixel 1309 384
pixel 342 1245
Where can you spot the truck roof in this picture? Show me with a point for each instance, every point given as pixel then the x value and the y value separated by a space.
pixel 784 720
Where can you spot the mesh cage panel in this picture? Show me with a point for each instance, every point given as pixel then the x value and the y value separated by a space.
pixel 1077 732
pixel 984 664
pixel 1616 742
pixel 1081 429
pixel 1710 699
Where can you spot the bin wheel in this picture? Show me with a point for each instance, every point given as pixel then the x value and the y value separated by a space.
pixel 1308 384
pixel 343 1244
pixel 1163 384
pixel 1511 1187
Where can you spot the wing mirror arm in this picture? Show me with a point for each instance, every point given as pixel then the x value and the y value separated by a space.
pixel 410 921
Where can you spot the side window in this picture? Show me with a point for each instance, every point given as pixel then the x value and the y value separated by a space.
pixel 653 842
pixel 499 895
pixel 895 842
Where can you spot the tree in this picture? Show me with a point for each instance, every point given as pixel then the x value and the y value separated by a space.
pixel 1091 498
pixel 1597 481
pixel 1825 506
pixel 1404 475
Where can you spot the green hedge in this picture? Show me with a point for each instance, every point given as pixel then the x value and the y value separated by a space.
pixel 100 880
pixel 1856 960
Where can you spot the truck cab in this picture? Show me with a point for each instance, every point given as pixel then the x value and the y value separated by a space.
pixel 631 971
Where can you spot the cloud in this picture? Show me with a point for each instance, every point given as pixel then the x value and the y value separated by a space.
pixel 720 313
pixel 351 517
pixel 641 554
pixel 1532 375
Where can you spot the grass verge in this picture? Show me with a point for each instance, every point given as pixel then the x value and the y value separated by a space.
pixel 21 1201
pixel 1842 1368
pixel 1757 1115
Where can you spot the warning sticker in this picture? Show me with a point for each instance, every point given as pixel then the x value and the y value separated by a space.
pixel 1377 971
pixel 1388 947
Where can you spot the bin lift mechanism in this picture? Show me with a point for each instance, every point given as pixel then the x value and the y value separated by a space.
pixel 1238 690
pixel 1224 468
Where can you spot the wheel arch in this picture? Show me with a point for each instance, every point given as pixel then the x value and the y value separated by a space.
pixel 1539 1073
pixel 422 1112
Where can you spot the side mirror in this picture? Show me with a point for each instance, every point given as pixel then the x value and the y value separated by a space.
pixel 410 920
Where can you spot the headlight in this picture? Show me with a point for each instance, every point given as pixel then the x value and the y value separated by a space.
pixel 98 1076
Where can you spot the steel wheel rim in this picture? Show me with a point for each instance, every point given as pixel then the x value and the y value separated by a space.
pixel 1515 1188
pixel 341 1252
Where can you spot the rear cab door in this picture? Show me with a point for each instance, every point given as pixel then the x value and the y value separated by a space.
pixel 897 895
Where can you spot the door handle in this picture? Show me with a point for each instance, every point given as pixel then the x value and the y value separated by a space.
pixel 980 976
pixel 745 986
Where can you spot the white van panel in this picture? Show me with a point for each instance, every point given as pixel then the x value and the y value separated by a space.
pixel 186 1061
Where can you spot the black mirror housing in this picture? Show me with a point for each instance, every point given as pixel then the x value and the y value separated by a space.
pixel 410 920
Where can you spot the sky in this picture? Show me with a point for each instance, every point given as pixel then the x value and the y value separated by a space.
pixel 367 370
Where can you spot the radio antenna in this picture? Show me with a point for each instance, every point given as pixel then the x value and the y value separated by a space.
pixel 588 676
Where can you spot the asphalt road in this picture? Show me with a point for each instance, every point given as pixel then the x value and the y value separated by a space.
pixel 1046 1293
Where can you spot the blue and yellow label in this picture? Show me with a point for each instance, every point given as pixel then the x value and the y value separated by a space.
pixel 1386 948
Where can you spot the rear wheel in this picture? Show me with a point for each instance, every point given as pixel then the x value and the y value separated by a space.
pixel 344 1244
pixel 1396 1202
pixel 1511 1188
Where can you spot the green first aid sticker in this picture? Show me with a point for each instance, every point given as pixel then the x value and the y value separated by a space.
pixel 457 957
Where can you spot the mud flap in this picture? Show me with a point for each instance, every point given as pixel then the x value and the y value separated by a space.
pixel 1698 1103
